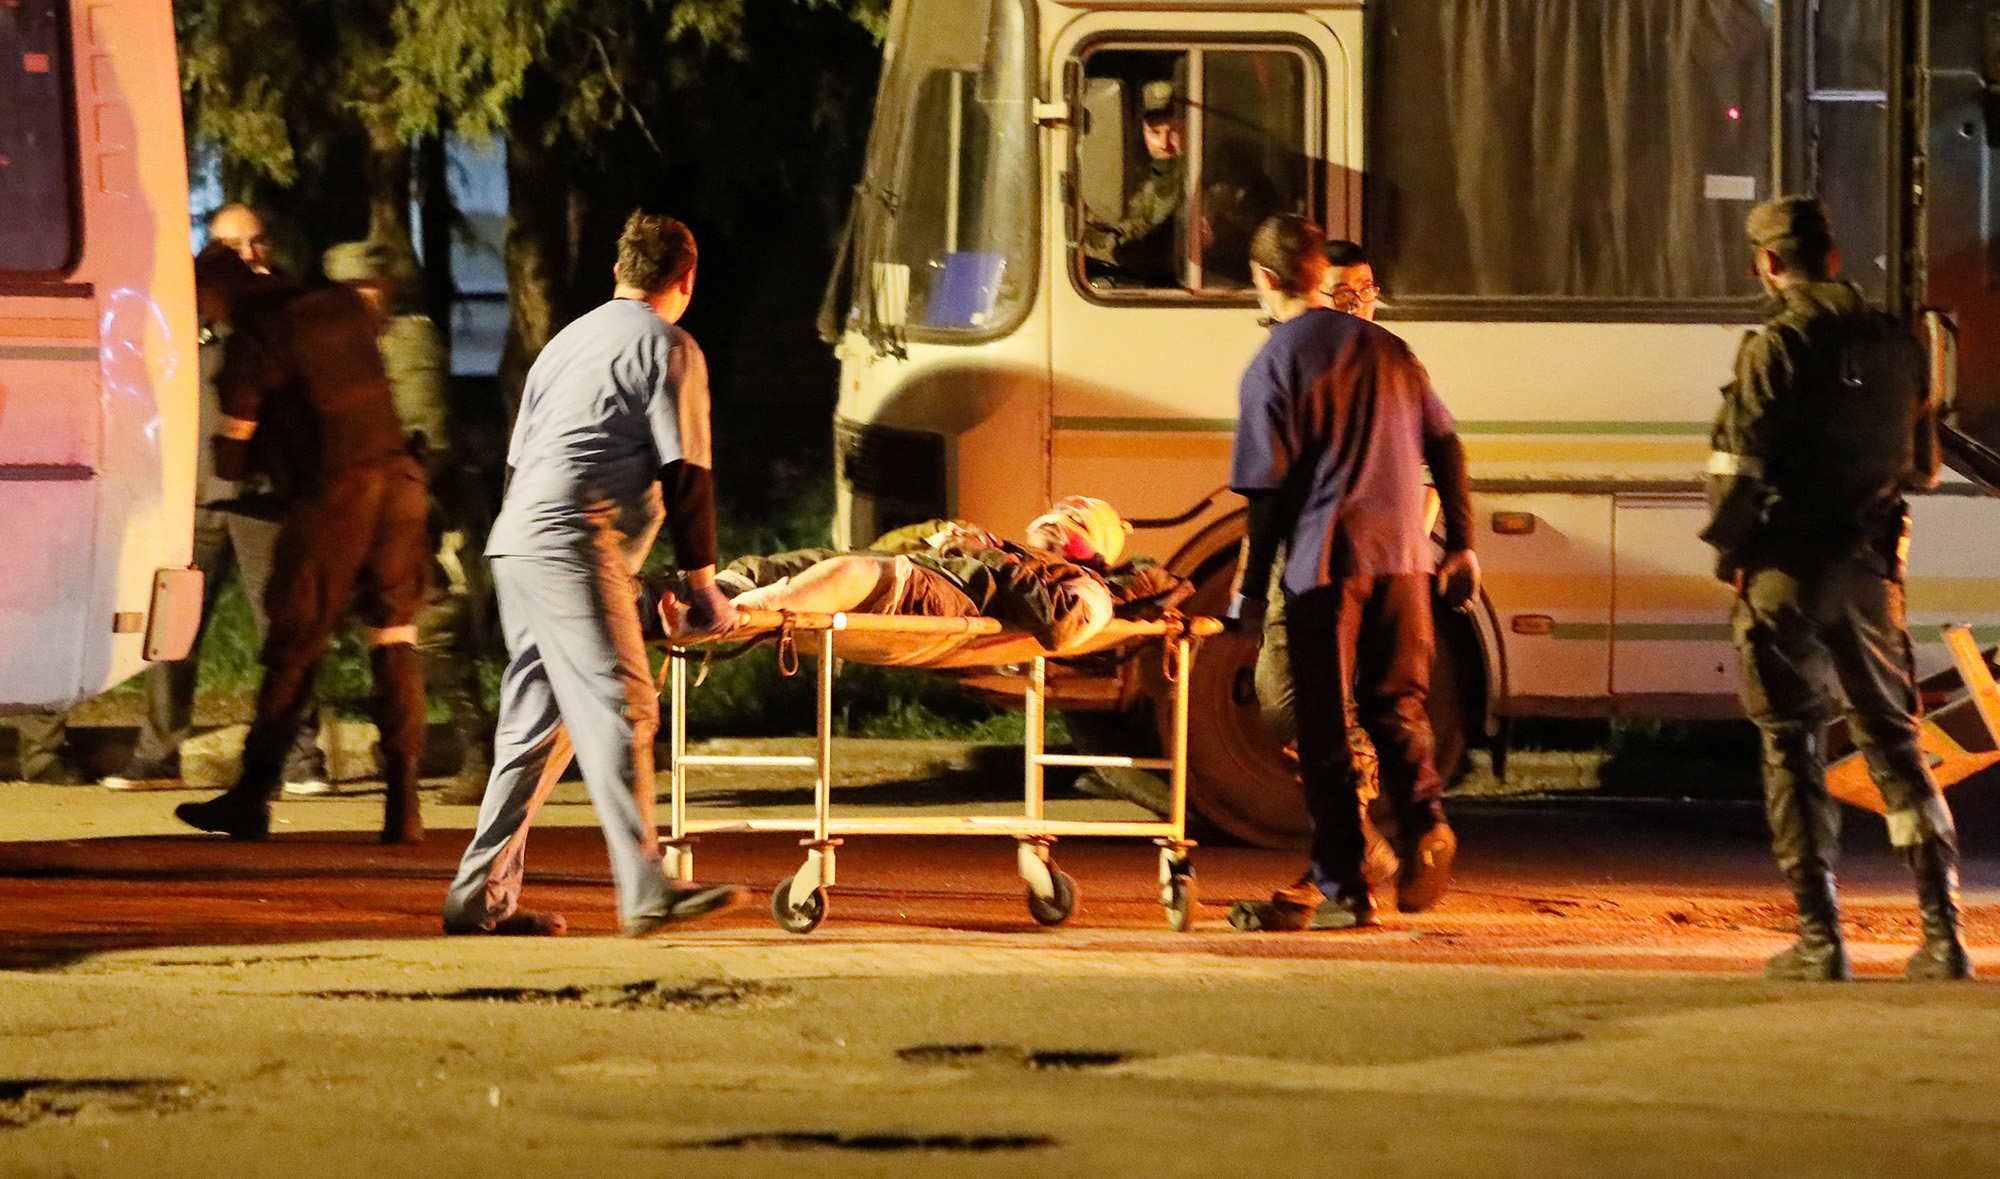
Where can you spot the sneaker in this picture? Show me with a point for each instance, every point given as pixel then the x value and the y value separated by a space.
pixel 307 787
pixel 226 815
pixel 61 772
pixel 466 788
pixel 1425 871
pixel 149 774
pixel 1285 911
pixel 683 904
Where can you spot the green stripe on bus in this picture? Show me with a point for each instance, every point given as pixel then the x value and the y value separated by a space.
pixel 1714 632
pixel 1539 426
pixel 1650 632
pixel 45 352
pixel 1549 426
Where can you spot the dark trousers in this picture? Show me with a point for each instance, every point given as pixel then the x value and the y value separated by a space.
pixel 364 538
pixel 222 541
pixel 1365 643
pixel 1797 630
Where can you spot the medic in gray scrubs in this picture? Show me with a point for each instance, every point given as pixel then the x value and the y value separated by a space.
pixel 612 441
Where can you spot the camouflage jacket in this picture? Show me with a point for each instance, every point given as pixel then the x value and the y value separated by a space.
pixel 1827 422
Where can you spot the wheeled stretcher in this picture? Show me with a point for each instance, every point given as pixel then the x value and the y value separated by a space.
pixel 799 902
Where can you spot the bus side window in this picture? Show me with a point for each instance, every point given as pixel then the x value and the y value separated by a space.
pixel 1132 174
pixel 1527 151
pixel 38 231
pixel 1180 155
pixel 1253 157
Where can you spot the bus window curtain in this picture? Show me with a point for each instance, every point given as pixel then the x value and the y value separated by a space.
pixel 1568 148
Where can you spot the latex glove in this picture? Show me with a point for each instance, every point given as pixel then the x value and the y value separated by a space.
pixel 708 611
pixel 1458 578
pixel 1245 616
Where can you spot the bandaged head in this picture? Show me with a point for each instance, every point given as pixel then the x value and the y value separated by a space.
pixel 1082 529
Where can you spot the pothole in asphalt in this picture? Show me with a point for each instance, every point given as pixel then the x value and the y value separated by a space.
pixel 708 994
pixel 876 1143
pixel 1549 1039
pixel 1007 1056
pixel 28 1101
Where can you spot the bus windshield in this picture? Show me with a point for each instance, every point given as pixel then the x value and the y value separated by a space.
pixel 946 225
pixel 38 232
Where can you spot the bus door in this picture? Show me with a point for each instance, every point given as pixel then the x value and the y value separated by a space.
pixel 1184 131
pixel 1959 272
pixel 50 425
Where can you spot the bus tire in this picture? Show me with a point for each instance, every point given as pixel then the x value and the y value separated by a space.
pixel 1240 780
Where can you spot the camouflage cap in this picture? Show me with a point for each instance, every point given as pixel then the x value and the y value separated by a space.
pixel 1160 100
pixel 1798 218
pixel 361 262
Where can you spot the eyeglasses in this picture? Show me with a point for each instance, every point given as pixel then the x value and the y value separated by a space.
pixel 1345 298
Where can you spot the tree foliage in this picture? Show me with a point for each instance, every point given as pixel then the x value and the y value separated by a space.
pixel 269 83
pixel 470 61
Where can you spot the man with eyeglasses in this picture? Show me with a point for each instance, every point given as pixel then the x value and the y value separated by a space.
pixel 1350 280
pixel 1337 424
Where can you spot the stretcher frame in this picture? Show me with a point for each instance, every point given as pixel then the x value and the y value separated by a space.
pixel 1951 760
pixel 799 902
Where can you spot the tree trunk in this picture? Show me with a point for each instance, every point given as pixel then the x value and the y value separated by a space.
pixel 439 217
pixel 539 258
pixel 388 186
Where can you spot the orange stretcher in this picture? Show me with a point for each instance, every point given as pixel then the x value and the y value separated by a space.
pixel 799 902
pixel 1959 732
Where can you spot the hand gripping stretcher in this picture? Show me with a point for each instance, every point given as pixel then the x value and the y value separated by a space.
pixel 799 902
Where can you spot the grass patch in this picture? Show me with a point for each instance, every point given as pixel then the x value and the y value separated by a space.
pixel 746 697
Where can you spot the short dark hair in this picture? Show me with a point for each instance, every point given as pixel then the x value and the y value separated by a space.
pixel 654 252
pixel 1797 230
pixel 1343 254
pixel 1292 249
pixel 218 269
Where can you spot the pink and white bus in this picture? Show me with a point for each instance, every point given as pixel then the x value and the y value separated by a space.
pixel 98 350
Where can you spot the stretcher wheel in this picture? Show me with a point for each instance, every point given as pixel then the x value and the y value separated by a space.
pixel 801 919
pixel 1180 902
pixel 1056 909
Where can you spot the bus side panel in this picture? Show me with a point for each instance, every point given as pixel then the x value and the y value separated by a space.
pixel 1670 632
pixel 39 612
pixel 136 256
pixel 1551 590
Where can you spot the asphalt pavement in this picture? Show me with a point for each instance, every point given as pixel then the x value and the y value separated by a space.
pixel 1586 1001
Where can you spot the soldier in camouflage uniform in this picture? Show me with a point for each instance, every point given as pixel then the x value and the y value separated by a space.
pixel 419 377
pixel 1145 244
pixel 1825 426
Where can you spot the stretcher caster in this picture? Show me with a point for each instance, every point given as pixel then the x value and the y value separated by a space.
pixel 1179 900
pixel 797 918
pixel 1054 910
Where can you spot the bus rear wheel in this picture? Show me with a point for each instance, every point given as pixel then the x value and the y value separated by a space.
pixel 1240 779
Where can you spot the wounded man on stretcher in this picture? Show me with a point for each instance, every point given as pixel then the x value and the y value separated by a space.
pixel 1063 586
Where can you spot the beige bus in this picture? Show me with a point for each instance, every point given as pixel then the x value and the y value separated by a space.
pixel 98 354
pixel 1552 196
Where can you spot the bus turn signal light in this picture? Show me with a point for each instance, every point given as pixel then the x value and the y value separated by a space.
pixel 1513 523
pixel 1533 624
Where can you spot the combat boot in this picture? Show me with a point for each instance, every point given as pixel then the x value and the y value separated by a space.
pixel 1818 955
pixel 399 698
pixel 1942 957
pixel 239 814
